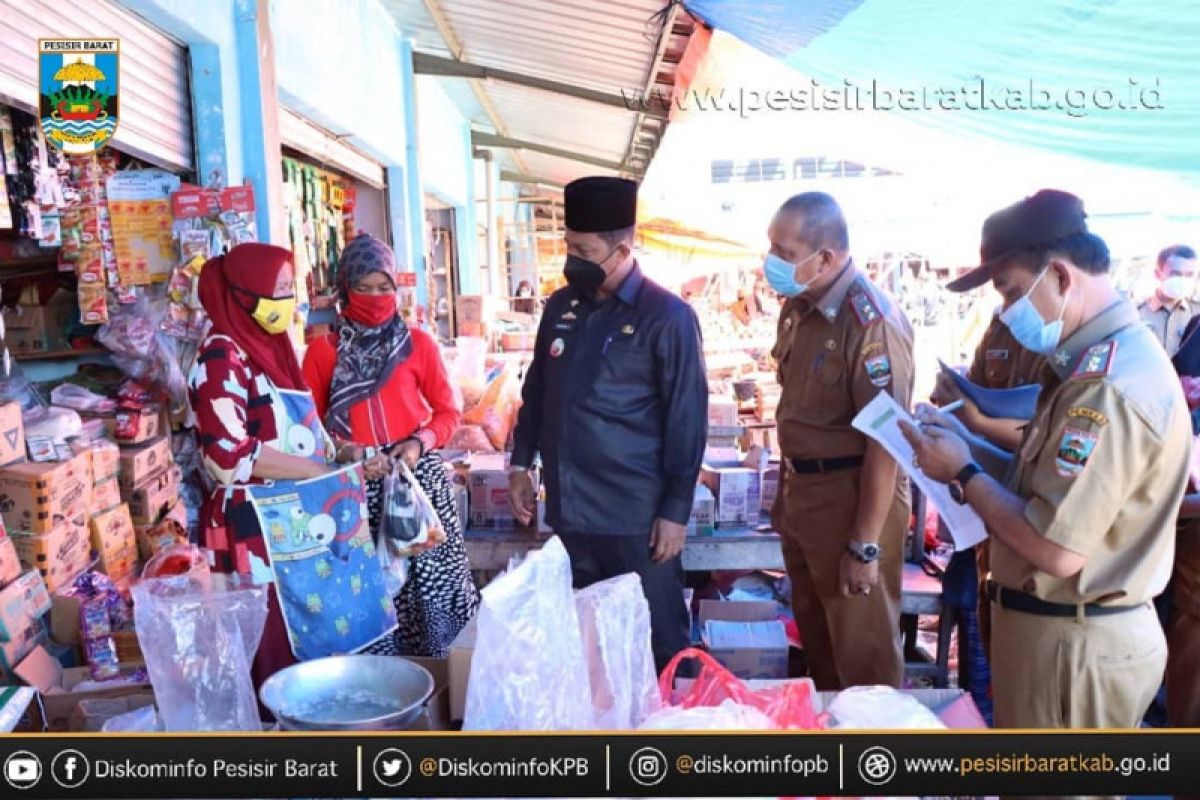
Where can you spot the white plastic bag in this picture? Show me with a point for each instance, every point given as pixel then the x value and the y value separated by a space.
pixel 728 716
pixel 199 646
pixel 528 669
pixel 880 708
pixel 140 720
pixel 614 620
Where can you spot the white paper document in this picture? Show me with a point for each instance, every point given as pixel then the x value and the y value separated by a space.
pixel 880 420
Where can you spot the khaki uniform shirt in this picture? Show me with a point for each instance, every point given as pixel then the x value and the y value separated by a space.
pixel 835 353
pixel 1001 362
pixel 1167 323
pixel 1103 466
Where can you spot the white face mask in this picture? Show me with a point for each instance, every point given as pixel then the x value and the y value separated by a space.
pixel 1027 325
pixel 1177 287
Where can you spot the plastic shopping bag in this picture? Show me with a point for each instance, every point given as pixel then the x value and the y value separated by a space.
pixel 199 646
pixel 528 661
pixel 401 524
pixel 788 705
pixel 614 620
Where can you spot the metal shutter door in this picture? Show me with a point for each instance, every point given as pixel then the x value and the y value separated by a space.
pixel 297 132
pixel 155 121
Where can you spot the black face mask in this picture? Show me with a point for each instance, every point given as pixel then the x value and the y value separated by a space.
pixel 584 276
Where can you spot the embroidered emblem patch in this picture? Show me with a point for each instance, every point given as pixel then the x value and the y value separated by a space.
pixel 557 347
pixel 865 309
pixel 830 345
pixel 996 355
pixel 873 347
pixel 569 315
pixel 627 330
pixel 879 370
pixel 1074 450
pixel 1096 360
pixel 1088 413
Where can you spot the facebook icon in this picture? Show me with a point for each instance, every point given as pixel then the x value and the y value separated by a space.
pixel 70 769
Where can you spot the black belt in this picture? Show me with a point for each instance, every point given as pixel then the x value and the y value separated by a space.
pixel 1013 600
pixel 814 466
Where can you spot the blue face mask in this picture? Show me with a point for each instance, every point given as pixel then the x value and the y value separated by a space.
pixel 782 275
pixel 1027 325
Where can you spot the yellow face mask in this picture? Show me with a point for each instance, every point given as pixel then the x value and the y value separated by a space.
pixel 274 315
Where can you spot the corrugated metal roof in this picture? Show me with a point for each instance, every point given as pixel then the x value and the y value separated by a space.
pixel 610 47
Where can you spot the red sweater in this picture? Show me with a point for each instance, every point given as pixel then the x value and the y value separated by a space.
pixel 417 396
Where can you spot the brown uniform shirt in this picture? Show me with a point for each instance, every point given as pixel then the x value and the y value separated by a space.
pixel 1001 362
pixel 1103 465
pixel 1167 323
pixel 835 353
pixel 1186 595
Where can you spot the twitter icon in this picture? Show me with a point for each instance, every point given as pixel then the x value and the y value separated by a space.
pixel 392 767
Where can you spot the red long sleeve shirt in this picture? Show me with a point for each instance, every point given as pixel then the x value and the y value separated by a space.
pixel 416 397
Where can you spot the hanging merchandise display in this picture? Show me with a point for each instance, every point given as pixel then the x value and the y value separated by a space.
pixel 140 207
pixel 321 207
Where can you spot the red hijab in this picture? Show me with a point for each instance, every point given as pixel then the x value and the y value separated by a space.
pixel 254 269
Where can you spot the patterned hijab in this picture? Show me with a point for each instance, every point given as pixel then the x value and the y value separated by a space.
pixel 366 356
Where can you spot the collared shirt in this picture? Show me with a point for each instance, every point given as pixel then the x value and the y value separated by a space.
pixel 1167 322
pixel 1103 465
pixel 1001 362
pixel 616 402
pixel 835 354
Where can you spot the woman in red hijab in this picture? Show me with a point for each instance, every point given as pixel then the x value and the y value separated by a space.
pixel 244 369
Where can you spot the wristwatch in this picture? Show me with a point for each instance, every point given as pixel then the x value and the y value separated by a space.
pixel 866 552
pixel 958 486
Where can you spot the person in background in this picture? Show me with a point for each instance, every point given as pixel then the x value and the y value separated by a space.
pixel 616 402
pixel 1083 525
pixel 525 302
pixel 245 390
pixel 1173 305
pixel 381 385
pixel 843 506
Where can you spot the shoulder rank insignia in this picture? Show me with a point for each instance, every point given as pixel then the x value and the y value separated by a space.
pixel 998 354
pixel 1074 450
pixel 865 309
pixel 1096 361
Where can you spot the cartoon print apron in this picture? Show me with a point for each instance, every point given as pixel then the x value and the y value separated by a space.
pixel 327 574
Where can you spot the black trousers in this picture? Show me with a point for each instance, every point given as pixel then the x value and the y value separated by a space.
pixel 599 558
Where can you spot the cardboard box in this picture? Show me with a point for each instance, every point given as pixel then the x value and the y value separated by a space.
pixel 119 565
pixel 704 510
pixel 13 651
pixel 106 493
pixel 18 711
pixel 770 487
pixel 22 601
pixel 112 532
pixel 487 488
pixel 153 539
pixel 746 637
pixel 58 688
pixel 462 650
pixel 722 412
pixel 59 555
pixel 139 463
pixel 38 497
pixel 10 562
pixel 99 425
pixel 518 342
pixel 106 460
pixel 151 500
pixel 738 492
pixel 137 426
pixel 40 329
pixel 475 309
pixel 12 434
pixel 90 715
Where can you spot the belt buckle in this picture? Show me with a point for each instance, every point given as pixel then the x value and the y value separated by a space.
pixel 820 462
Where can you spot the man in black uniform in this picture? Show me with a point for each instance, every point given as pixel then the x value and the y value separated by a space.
pixel 616 402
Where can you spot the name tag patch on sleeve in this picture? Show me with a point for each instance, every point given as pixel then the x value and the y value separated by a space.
pixel 1074 450
pixel 1087 413
pixel 996 355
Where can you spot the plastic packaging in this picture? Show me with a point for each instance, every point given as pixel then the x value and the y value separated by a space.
pixel 199 646
pixel 727 716
pixel 614 620
pixel 468 371
pixel 525 673
pixel 69 395
pixel 495 412
pixel 402 522
pixel 880 708
pixel 140 720
pixel 180 559
pixel 788 705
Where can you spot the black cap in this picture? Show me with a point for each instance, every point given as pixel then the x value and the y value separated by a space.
pixel 1041 219
pixel 599 204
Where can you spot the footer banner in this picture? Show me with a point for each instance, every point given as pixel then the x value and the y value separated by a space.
pixel 719 764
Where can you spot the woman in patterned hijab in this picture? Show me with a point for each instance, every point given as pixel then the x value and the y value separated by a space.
pixel 381 385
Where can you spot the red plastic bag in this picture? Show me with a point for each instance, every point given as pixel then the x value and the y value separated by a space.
pixel 789 705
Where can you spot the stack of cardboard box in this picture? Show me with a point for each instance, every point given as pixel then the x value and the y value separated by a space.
pixel 46 508
pixel 114 542
pixel 149 480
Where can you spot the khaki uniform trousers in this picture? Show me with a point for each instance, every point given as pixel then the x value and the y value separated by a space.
pixel 848 641
pixel 1056 672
